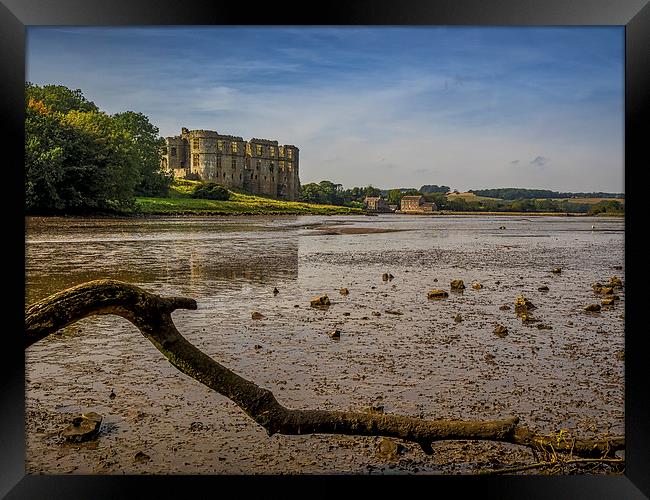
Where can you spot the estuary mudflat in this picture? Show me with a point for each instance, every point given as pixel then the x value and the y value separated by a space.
pixel 397 348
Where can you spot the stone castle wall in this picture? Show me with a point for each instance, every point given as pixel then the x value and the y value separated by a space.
pixel 258 166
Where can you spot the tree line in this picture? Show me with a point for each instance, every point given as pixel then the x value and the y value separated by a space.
pixel 521 193
pixel 79 158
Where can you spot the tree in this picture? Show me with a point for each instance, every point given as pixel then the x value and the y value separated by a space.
pixel 147 144
pixel 59 99
pixel 210 191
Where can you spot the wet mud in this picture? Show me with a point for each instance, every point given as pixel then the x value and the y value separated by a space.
pixel 396 348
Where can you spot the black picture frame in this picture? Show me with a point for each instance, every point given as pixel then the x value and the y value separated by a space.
pixel 15 15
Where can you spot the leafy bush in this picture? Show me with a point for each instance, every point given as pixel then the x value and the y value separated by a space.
pixel 210 191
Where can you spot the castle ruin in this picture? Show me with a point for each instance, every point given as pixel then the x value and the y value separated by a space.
pixel 258 166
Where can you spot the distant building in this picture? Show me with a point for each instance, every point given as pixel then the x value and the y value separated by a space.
pixel 416 204
pixel 258 166
pixel 376 204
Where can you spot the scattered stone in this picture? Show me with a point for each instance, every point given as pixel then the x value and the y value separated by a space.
pixel 389 449
pixel 320 301
pixel 527 318
pixel 457 285
pixel 437 294
pixel 276 291
pixel 394 311
pixel 458 318
pixel 543 288
pixel 344 291
pixel 435 280
pixel 196 426
pixel 593 308
pixel 141 457
pixel 112 394
pixel 387 277
pixel 618 268
pixel 615 281
pixel 296 305
pixel 620 355
pixel 505 307
pixel 376 313
pixel 365 317
pixel 522 304
pixel 477 286
pixel 497 282
pixel 542 326
pixel 556 270
pixel 83 428
pixel 257 347
pixel 502 227
pixel 346 314
pixel 500 331
pixel 256 315
pixel 489 359
pixel 335 334
pixel 608 301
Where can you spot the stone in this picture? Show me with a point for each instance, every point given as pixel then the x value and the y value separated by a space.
pixel 346 314
pixel 556 270
pixel 542 326
pixel 276 291
pixel 388 448
pixel 83 428
pixel 505 307
pixel 141 457
pixel 502 227
pixel 458 318
pixel 437 294
pixel 376 313
pixel 500 331
pixel 256 315
pixel 335 334
pixel 320 301
pixel 615 281
pixel 457 285
pixel 618 268
pixel 522 304
pixel 394 311
pixel 384 277
pixel 344 291
pixel 593 308
pixel 477 286
pixel 607 301
pixel 257 347
pixel 543 288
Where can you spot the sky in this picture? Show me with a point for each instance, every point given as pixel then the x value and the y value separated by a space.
pixel 465 107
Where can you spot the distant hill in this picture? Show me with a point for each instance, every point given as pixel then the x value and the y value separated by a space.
pixel 522 193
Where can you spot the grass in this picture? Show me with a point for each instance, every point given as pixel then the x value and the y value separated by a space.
pixel 180 202
pixel 471 197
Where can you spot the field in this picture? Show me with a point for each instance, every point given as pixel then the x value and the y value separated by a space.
pixel 180 202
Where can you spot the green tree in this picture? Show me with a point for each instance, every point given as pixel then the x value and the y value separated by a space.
pixel 147 144
pixel 58 98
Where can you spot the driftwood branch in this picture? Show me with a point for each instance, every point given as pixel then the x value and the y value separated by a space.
pixel 151 314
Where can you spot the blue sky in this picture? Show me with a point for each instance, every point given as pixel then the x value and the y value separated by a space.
pixel 467 107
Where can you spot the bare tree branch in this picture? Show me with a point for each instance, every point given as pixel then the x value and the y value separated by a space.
pixel 151 314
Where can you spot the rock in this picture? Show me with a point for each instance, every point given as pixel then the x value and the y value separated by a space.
pixel 112 394
pixel 346 314
pixel 458 318
pixel 556 270
pixel 500 331
pixel 344 291
pixel 196 426
pixel 435 280
pixel 389 449
pixel 502 227
pixel 497 282
pixel 593 308
pixel 320 301
pixel 257 347
pixel 620 355
pixel 543 288
pixel 437 294
pixel 384 277
pixel 505 307
pixel 542 326
pixel 607 301
pixel 527 318
pixel 477 286
pixel 390 277
pixel 618 268
pixel 457 285
pixel 376 313
pixel 256 315
pixel 335 334
pixel 615 281
pixel 141 457
pixel 276 291
pixel 394 311
pixel 522 304
pixel 83 428
pixel 489 359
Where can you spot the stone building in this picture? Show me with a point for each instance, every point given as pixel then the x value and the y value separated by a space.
pixel 376 204
pixel 416 204
pixel 258 166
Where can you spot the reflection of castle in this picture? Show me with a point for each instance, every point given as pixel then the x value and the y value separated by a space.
pixel 258 166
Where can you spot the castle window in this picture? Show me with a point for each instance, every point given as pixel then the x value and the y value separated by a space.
pixel 282 165
pixel 289 166
pixel 218 161
pixel 233 146
pixel 163 151
pixel 272 151
pixel 258 149
pixel 234 163
pixel 281 149
pixel 259 164
pixel 173 151
pixel 256 177
pixel 220 145
pixel 195 160
pixel 195 143
pixel 272 164
pixel 271 168
pixel 232 176
pixel 289 153
pixel 239 176
pixel 265 177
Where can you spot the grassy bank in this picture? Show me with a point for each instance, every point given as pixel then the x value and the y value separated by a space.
pixel 180 202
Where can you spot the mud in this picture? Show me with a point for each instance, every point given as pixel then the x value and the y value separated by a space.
pixel 421 362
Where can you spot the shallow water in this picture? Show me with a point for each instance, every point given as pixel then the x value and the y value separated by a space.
pixel 420 363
